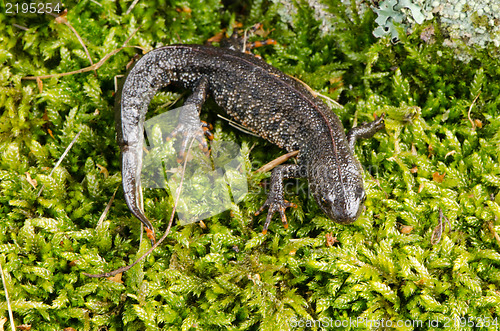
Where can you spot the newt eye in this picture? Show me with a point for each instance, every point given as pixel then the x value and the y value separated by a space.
pixel 360 192
pixel 363 197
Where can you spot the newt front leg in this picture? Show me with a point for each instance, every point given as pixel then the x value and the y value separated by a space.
pixel 365 130
pixel 189 124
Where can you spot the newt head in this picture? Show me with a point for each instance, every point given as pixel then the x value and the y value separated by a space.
pixel 338 190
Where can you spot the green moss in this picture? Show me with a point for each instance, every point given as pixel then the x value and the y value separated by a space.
pixel 227 275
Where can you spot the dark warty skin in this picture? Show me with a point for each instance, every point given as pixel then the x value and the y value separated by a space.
pixel 265 101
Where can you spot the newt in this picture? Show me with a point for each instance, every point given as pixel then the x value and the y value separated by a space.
pixel 264 100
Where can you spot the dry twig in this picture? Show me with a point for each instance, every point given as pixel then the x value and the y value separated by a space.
pixel 131 7
pixel 276 162
pixel 238 126
pixel 90 68
pixel 62 158
pixel 62 19
pixel 440 228
pixel 470 110
pixel 106 210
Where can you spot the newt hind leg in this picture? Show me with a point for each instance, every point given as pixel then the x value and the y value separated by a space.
pixel 189 124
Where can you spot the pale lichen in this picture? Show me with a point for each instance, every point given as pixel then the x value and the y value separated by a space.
pixel 463 23
pixel 468 23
